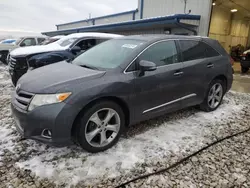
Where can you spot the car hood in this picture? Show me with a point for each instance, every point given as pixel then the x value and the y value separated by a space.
pixel 7 46
pixel 37 49
pixel 55 77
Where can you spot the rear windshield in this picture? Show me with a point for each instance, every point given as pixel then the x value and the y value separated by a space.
pixel 110 54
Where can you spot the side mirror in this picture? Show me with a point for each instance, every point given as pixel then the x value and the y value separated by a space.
pixel 145 66
pixel 75 49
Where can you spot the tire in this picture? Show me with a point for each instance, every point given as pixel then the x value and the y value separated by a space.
pixel 94 120
pixel 206 105
pixel 4 57
pixel 14 80
pixel 244 70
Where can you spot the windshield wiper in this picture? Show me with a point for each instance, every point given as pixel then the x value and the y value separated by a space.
pixel 89 67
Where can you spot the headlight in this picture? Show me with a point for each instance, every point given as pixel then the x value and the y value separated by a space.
pixel 41 99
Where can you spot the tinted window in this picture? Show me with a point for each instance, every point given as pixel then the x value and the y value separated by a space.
pixel 40 40
pixel 163 53
pixel 210 52
pixel 192 50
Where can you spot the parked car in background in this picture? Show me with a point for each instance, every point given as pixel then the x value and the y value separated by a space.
pixel 21 42
pixel 29 58
pixel 245 61
pixel 8 41
pixel 118 83
pixel 52 39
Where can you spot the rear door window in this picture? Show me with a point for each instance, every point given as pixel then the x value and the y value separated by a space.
pixel 192 50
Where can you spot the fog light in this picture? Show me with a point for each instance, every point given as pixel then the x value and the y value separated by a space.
pixel 46 134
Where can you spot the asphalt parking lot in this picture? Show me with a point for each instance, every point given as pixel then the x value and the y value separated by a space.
pixel 146 147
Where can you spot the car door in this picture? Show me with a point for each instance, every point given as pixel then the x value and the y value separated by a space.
pixel 197 67
pixel 158 91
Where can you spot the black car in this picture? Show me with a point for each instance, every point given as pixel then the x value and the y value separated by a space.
pixel 118 83
pixel 26 59
pixel 245 61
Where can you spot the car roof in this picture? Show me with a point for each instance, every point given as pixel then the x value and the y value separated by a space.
pixel 157 37
pixel 91 34
pixel 39 36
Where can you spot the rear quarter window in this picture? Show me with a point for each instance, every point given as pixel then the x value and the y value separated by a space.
pixel 192 50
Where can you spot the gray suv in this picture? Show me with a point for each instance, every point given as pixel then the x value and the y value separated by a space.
pixel 118 83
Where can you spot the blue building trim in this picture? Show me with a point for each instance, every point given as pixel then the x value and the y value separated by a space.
pixel 141 9
pixel 101 17
pixel 172 19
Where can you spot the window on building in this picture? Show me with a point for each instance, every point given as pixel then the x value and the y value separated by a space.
pixel 163 53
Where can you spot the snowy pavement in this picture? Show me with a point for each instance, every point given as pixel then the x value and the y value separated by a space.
pixel 145 148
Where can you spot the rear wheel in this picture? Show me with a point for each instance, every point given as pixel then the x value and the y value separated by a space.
pixel 214 96
pixel 244 70
pixel 100 127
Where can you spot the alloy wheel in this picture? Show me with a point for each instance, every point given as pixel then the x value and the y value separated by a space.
pixel 102 127
pixel 215 95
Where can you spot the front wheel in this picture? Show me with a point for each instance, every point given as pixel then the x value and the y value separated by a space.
pixel 214 96
pixel 100 127
pixel 3 57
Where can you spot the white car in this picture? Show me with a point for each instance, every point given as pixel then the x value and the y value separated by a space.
pixel 21 42
pixel 67 48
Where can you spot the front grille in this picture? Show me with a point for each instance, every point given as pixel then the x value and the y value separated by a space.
pixel 23 99
pixel 18 63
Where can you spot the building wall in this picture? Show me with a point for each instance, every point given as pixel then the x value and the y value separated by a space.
pixel 165 7
pixel 116 19
pixel 98 21
pixel 141 31
pixel 74 25
pixel 229 28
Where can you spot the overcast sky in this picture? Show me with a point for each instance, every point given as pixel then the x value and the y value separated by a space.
pixel 43 15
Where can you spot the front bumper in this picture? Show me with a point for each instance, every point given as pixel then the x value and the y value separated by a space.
pixel 58 118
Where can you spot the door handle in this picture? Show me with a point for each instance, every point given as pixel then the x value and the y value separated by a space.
pixel 210 65
pixel 178 73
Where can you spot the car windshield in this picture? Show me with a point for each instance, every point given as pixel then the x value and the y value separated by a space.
pixel 18 41
pixel 108 55
pixel 66 42
pixel 48 41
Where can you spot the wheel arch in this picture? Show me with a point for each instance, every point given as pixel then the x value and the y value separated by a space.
pixel 117 100
pixel 224 79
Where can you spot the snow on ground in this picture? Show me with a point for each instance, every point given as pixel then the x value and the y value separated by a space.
pixel 172 134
